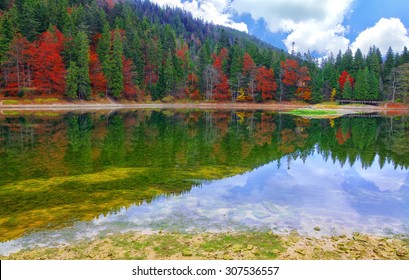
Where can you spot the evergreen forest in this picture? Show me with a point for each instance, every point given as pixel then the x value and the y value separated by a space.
pixel 135 50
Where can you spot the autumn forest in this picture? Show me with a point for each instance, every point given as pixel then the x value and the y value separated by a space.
pixel 135 50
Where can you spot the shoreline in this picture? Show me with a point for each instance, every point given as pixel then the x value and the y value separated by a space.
pixel 248 245
pixel 341 109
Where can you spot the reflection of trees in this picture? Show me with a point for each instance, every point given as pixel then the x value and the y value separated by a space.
pixel 83 143
pixel 113 147
pixel 79 150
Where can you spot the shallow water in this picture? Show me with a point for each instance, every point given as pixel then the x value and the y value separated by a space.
pixel 72 177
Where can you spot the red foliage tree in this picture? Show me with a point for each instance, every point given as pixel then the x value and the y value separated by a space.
pixel 293 75
pixel 97 77
pixel 303 79
pixel 192 90
pixel 130 89
pixel 182 52
pixel 248 64
pixel 290 68
pixel 48 66
pixel 343 78
pixel 249 73
pixel 266 84
pixel 221 89
pixel 220 59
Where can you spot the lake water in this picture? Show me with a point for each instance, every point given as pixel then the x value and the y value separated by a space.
pixel 74 176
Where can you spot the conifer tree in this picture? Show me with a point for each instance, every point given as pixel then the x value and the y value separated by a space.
pixel 389 63
pixel 236 65
pixel 359 62
pixel 71 90
pixel 362 85
pixel 84 83
pixel 372 61
pixel 347 61
pixel 347 92
pixel 104 48
pixel 404 58
pixel 116 78
pixel 374 92
pixel 166 78
pixel 6 34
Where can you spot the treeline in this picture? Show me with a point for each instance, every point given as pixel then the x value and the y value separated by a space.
pixel 139 51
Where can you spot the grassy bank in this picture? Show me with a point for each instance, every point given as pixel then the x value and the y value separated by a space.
pixel 313 112
pixel 252 245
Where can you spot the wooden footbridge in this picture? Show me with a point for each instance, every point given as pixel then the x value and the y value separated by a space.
pixel 364 102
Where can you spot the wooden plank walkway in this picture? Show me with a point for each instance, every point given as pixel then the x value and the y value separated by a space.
pixel 365 102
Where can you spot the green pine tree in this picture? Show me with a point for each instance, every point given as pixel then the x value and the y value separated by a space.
pixel 104 48
pixel 347 92
pixel 389 63
pixel 362 85
pixel 166 78
pixel 347 61
pixel 7 32
pixel 84 83
pixel 359 63
pixel 374 92
pixel 404 58
pixel 236 65
pixel 71 89
pixel 116 77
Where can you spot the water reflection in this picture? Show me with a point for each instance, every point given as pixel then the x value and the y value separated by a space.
pixel 303 195
pixel 69 177
pixel 314 193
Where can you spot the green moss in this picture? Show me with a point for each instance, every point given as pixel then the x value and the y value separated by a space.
pixel 312 112
pixel 262 245
pixel 10 102
pixel 46 100
pixel 10 113
pixel 240 245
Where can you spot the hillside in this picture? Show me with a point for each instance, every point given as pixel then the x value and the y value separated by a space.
pixel 136 50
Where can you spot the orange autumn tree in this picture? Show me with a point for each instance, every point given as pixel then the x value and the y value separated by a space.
pixel 266 84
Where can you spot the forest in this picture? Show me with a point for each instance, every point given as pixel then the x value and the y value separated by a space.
pixel 135 50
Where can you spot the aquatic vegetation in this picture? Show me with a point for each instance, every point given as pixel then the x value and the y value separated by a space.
pixel 38 204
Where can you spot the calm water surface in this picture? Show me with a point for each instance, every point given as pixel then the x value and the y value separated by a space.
pixel 70 177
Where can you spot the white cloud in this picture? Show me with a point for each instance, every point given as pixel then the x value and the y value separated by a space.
pixel 314 25
pixel 386 33
pixel 209 10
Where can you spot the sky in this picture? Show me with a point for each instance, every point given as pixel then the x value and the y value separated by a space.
pixel 318 26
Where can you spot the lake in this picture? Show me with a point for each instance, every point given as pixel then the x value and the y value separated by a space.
pixel 73 176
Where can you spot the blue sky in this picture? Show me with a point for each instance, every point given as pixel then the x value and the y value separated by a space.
pixel 320 26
